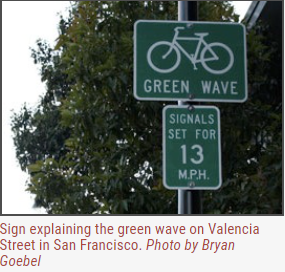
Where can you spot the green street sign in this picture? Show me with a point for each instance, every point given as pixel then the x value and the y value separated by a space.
pixel 174 59
pixel 191 148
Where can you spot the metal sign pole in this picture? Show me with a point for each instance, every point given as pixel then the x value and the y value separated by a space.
pixel 187 10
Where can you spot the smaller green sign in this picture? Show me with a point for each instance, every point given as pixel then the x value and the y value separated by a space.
pixel 191 148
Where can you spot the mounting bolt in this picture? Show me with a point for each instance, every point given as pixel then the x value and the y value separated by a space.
pixel 191 107
pixel 191 96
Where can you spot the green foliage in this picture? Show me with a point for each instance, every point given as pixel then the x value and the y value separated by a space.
pixel 90 147
pixel 220 11
pixel 252 137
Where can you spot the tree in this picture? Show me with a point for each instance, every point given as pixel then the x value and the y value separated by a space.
pixel 90 147
pixel 252 135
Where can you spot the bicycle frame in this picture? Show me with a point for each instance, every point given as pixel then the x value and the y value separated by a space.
pixel 193 58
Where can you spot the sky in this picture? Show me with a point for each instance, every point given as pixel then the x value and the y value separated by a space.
pixel 23 23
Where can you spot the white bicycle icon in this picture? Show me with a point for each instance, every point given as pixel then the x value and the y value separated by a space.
pixel 209 53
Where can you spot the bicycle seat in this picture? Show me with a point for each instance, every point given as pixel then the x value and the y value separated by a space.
pixel 201 34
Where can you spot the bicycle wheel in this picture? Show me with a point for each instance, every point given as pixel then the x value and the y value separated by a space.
pixel 217 58
pixel 161 58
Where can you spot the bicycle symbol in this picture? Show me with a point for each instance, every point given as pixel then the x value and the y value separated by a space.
pixel 209 52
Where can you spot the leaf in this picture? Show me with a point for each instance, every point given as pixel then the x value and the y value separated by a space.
pixel 34 168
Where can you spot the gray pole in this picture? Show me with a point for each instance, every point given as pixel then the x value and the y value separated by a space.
pixel 187 11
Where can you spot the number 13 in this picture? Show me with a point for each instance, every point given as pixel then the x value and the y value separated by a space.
pixel 199 154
